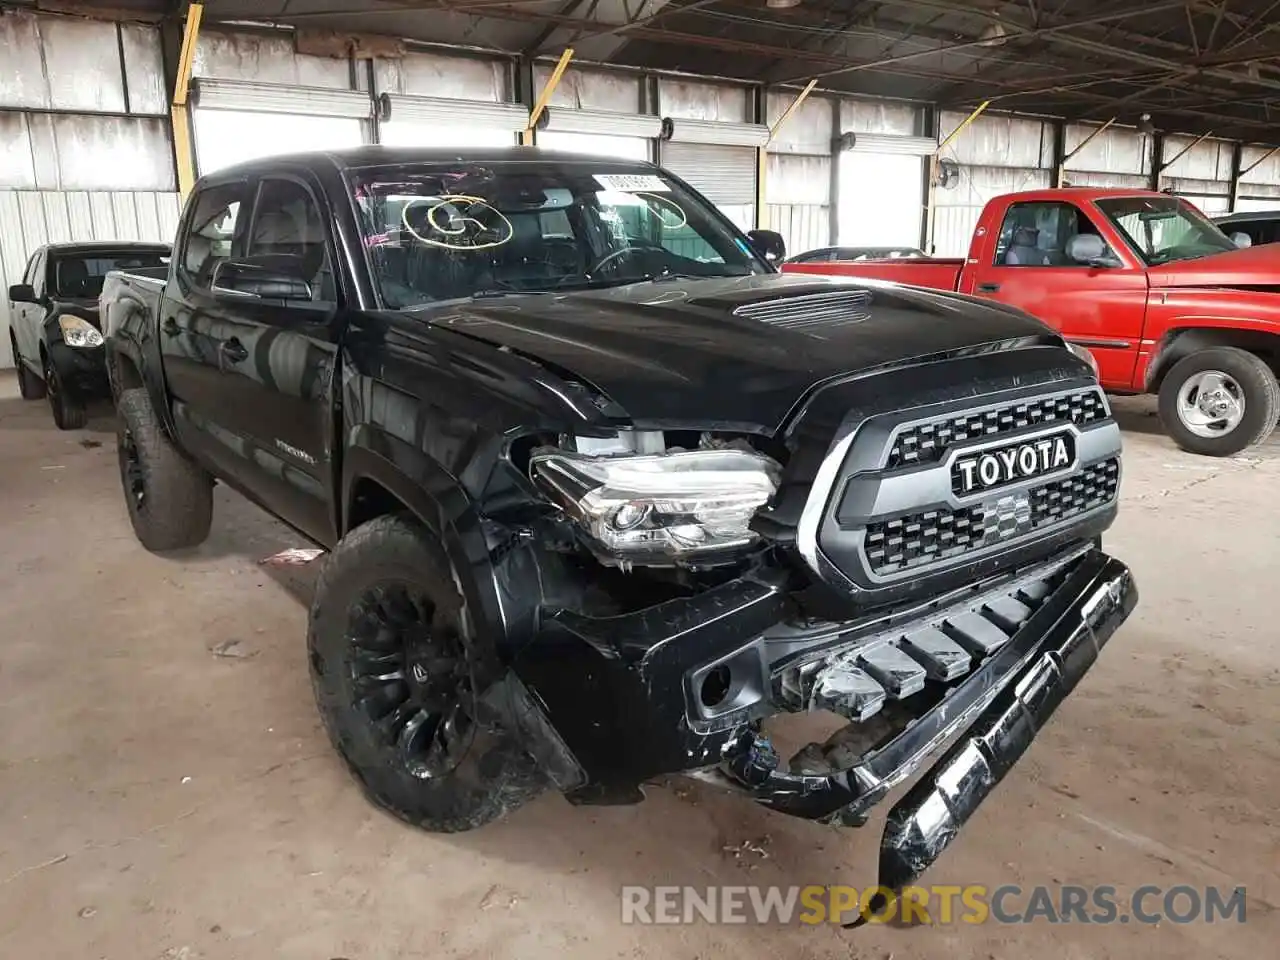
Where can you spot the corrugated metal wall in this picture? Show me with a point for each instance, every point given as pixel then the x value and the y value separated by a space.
pixel 85 148
pixel 996 155
pixel 797 182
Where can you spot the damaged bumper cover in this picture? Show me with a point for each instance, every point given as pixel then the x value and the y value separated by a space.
pixel 617 701
pixel 1000 708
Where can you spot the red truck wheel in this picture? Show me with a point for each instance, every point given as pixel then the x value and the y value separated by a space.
pixel 1219 401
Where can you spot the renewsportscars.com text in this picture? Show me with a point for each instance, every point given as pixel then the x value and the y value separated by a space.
pixel 938 903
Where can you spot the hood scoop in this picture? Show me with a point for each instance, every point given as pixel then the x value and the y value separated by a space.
pixel 810 311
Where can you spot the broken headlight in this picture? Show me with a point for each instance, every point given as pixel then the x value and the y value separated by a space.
pixel 661 508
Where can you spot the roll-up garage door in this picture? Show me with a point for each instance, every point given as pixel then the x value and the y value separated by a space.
pixel 723 174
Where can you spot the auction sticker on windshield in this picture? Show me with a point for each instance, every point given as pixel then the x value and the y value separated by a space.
pixel 631 182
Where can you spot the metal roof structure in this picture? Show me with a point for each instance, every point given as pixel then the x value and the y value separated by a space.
pixel 1198 66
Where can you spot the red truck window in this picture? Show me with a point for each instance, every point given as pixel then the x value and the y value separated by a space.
pixel 1037 234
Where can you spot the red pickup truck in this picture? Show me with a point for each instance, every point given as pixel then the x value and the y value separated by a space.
pixel 1163 299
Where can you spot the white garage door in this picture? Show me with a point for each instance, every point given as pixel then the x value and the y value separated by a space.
pixel 725 175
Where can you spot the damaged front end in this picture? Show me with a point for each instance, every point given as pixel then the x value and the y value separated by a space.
pixel 692 585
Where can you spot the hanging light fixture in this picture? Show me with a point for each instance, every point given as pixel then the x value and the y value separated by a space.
pixel 781 4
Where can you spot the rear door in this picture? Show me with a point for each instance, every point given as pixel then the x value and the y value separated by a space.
pixel 276 361
pixel 1098 307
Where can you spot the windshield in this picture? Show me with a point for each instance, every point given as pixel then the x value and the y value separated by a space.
pixel 441 232
pixel 80 276
pixel 1165 228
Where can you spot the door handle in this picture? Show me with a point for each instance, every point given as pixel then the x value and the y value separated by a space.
pixel 233 350
pixel 988 288
pixel 170 326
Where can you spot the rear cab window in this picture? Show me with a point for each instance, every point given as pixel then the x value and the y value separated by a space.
pixel 79 276
pixel 1036 234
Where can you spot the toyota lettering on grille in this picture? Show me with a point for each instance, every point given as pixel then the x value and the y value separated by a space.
pixel 1018 461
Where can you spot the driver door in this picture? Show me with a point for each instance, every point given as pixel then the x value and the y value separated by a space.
pixel 1101 308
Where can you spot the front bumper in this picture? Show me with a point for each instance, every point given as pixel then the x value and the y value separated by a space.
pixel 1000 707
pixel 616 704
pixel 83 369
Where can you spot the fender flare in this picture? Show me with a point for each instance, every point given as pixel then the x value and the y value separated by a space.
pixel 436 499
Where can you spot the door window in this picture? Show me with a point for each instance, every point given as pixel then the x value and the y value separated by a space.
pixel 288 229
pixel 211 232
pixel 1037 235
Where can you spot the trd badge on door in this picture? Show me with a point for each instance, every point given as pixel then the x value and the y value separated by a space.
pixel 1018 461
pixel 295 452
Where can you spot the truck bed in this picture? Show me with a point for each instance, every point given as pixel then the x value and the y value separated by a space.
pixel 130 296
pixel 937 274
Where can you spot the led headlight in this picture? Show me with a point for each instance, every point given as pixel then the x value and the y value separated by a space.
pixel 79 332
pixel 1084 355
pixel 660 509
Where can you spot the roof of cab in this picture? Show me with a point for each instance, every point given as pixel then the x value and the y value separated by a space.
pixel 98 245
pixel 375 156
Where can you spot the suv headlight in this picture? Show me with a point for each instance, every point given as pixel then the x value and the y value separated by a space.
pixel 1084 355
pixel 663 508
pixel 79 332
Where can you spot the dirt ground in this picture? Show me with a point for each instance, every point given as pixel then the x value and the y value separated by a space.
pixel 166 790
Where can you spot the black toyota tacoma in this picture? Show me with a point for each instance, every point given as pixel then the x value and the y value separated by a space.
pixel 603 492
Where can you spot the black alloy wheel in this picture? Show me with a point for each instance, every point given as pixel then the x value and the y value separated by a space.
pixel 410 679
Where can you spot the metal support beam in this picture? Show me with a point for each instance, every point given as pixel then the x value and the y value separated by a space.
pixel 1059 174
pixel 1087 140
pixel 1233 192
pixel 1166 164
pixel 833 193
pixel 760 114
pixel 792 108
pixel 179 112
pixel 1157 151
pixel 1261 160
pixel 553 81
pixel 932 123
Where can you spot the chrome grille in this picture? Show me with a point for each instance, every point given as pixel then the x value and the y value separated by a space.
pixel 927 442
pixel 811 310
pixel 917 539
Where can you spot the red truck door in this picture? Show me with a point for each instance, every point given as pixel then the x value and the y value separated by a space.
pixel 1098 305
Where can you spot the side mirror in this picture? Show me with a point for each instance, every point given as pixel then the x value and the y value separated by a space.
pixel 1241 240
pixel 769 244
pixel 1091 249
pixel 279 279
pixel 23 293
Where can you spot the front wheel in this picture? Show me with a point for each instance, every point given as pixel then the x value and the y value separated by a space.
pixel 68 410
pixel 396 678
pixel 1219 401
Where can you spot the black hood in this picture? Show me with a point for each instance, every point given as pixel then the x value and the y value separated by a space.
pixel 732 351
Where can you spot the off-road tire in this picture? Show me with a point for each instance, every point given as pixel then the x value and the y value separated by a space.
pixel 68 410
pixel 1261 400
pixel 176 509
pixel 30 387
pixel 493 780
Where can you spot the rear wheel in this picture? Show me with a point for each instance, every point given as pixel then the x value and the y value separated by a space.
pixel 30 387
pixel 68 409
pixel 170 499
pixel 396 677
pixel 1219 401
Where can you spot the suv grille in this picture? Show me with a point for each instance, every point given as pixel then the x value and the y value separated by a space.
pixel 927 442
pixel 923 538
